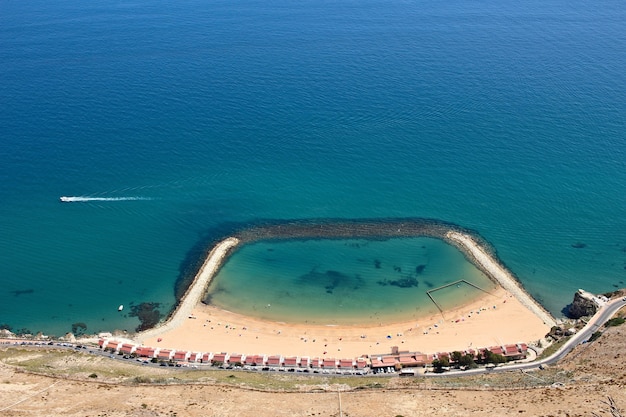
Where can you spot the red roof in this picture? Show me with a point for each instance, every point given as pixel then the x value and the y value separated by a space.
pixel 274 360
pixel 205 357
pixel 377 363
pixel 145 351
pixel 219 357
pixel 100 342
pixel 126 348
pixel 291 361
pixel 315 362
pixel 113 344
pixel 164 354
pixel 195 356
pixel 511 349
pixel 329 363
pixel 304 361
pixel 346 363
pixel 389 360
pixel 496 350
pixel 361 363
pixel 254 360
pixel 421 358
pixel 180 355
pixel 235 358
pixel 523 347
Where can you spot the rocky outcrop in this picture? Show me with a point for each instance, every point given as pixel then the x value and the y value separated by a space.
pixel 581 307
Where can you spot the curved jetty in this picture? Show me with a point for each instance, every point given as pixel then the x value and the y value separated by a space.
pixel 497 272
pixel 196 290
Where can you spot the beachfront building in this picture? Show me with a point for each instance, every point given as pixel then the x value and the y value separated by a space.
pixel 165 354
pixel 145 352
pixel 497 350
pixel 219 359
pixel 316 363
pixel 305 362
pixel 127 349
pixel 379 362
pixel 181 356
pixel 329 363
pixel 274 361
pixel 515 352
pixel 291 362
pixel 236 359
pixel 255 360
pixel 112 345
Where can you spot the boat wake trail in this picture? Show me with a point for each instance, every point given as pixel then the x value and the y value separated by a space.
pixel 65 199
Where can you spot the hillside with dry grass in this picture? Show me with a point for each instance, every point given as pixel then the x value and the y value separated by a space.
pixel 36 382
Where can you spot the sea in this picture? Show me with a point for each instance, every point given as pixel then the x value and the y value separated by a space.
pixel 174 123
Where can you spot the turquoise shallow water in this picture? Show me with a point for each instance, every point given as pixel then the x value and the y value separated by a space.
pixel 505 118
pixel 345 281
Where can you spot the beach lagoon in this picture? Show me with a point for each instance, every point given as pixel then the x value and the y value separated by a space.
pixel 342 282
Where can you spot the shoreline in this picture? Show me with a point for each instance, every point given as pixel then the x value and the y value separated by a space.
pixel 497 272
pixel 508 315
pixel 196 290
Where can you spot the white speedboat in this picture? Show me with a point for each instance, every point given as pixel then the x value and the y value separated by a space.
pixel 121 307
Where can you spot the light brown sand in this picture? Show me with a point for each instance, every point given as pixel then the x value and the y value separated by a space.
pixel 479 325
pixel 501 317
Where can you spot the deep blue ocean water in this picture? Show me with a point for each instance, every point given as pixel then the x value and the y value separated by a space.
pixel 506 118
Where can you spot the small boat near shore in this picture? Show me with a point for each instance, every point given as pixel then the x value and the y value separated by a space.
pixel 121 307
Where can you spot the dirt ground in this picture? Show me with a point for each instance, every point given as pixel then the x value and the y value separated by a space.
pixel 578 386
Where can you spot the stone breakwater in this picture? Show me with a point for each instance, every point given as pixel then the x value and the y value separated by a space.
pixel 497 272
pixel 196 290
pixel 347 229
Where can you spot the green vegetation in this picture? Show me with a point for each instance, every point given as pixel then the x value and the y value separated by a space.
pixel 615 321
pixel 553 348
pixel 440 364
pixel 595 336
pixel 463 361
pixel 490 357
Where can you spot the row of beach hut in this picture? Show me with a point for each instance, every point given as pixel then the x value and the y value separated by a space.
pixel 404 359
pixel 234 359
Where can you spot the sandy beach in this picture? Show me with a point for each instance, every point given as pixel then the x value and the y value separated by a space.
pixel 506 315
pixel 494 320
